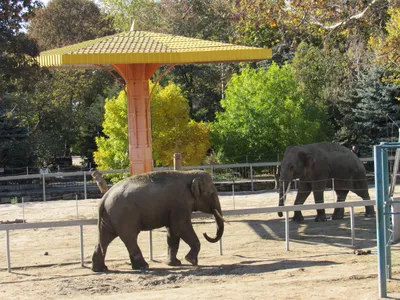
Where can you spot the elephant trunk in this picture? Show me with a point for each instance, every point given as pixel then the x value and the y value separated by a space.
pixel 220 224
pixel 283 190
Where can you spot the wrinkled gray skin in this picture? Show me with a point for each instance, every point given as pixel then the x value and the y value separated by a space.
pixel 315 165
pixel 154 200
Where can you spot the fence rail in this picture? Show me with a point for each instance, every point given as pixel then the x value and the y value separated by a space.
pixel 53 186
pixel 247 211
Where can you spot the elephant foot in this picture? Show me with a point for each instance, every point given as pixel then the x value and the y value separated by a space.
pixel 99 268
pixel 139 263
pixel 370 215
pixel 192 260
pixel 338 214
pixel 174 262
pixel 337 217
pixel 320 219
pixel 298 219
pixel 369 212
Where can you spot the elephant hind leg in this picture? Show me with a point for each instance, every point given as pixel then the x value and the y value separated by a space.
pixel 338 213
pixel 135 254
pixel 98 258
pixel 173 245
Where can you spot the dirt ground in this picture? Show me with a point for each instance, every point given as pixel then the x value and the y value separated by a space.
pixel 320 264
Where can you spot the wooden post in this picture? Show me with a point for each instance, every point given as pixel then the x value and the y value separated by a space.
pixel 177 161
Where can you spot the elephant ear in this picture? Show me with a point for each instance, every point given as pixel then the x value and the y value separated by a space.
pixel 307 158
pixel 196 187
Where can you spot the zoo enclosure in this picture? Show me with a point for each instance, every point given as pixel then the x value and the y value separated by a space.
pixel 51 186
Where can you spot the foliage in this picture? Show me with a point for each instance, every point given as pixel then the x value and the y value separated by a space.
pixel 284 24
pixel 16 50
pixel 376 114
pixel 13 140
pixel 264 112
pixel 65 111
pixel 66 22
pixel 112 149
pixel 172 131
pixel 387 46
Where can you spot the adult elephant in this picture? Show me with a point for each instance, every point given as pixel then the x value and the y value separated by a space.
pixel 315 165
pixel 154 200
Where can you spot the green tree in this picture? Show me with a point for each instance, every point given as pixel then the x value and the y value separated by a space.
pixel 14 144
pixel 66 110
pixel 16 49
pixel 264 112
pixel 112 149
pixel 66 22
pixel 172 131
pixel 376 112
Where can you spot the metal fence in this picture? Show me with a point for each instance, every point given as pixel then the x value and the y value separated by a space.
pixel 72 185
pixel 247 211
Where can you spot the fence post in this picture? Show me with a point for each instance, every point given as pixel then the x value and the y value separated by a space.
pixel 8 251
pixel 287 230
pixel 81 239
pixel 333 189
pixel 352 225
pixel 220 246
pixel 177 161
pixel 233 194
pixel 151 245
pixel 23 209
pixel 44 188
pixel 251 177
pixel 84 184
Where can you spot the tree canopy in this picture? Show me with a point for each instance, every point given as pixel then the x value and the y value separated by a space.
pixel 172 131
pixel 264 111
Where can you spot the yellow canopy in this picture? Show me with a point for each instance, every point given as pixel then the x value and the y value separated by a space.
pixel 142 47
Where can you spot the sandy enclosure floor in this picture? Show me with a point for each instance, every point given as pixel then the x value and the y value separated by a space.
pixel 320 264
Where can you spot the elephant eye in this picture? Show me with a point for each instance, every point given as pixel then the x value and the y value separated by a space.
pixel 291 168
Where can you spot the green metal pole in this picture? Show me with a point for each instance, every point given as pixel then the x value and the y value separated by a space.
pixel 387 212
pixel 380 223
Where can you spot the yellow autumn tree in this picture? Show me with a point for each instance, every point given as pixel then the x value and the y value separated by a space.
pixel 172 131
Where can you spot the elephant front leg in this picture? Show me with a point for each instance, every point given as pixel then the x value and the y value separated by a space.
pixel 189 237
pixel 302 194
pixel 173 245
pixel 338 213
pixel 319 198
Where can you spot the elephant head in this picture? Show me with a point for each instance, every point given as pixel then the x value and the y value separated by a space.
pixel 206 200
pixel 297 162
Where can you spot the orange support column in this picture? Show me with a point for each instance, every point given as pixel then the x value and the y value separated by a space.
pixel 139 123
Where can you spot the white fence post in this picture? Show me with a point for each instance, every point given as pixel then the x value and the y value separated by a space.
pixel 352 226
pixel 85 184
pixel 251 177
pixel 81 239
pixel 8 251
pixel 151 245
pixel 44 188
pixel 287 230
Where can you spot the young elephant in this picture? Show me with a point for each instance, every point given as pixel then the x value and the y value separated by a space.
pixel 154 200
